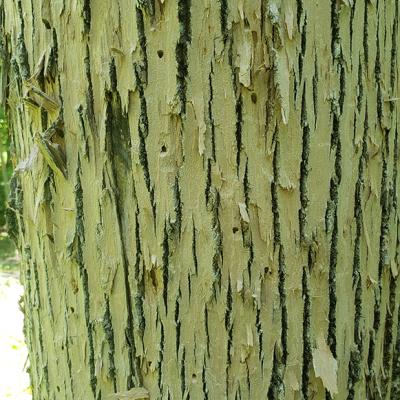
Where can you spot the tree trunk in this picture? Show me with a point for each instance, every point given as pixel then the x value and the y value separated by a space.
pixel 206 196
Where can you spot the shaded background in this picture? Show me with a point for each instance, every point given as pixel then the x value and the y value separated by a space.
pixel 14 380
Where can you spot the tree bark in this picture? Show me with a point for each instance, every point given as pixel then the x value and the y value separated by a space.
pixel 206 196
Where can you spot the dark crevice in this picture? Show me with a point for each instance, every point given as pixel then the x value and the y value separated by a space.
pixel 118 138
pixel 109 333
pixel 80 235
pixel 355 361
pixel 217 236
pixel 315 90
pixel 161 357
pixel 86 15
pixel 303 48
pixel 148 6
pixel 393 54
pixel 335 30
pixel 194 250
pixel 276 390
pixel 282 301
pixel 229 331
pixel 204 381
pixel 207 332
pixel 332 223
pixel 183 375
pixel 142 69
pixel 207 191
pixel 181 51
pixel 395 375
pixel 304 168
pixel 360 87
pixel 389 337
pixel 260 334
pixel 352 14
pixel 178 323
pixel 274 191
pixel 223 17
pixel 83 131
pixel 238 130
pixel 210 112
pixel 139 278
pixel 22 57
pixel 165 266
pixel 143 130
pixel 299 13
pixel 383 253
pixel 177 207
pixel 307 351
pixel 365 36
pixel 89 94
pixel 378 80
pixel 342 89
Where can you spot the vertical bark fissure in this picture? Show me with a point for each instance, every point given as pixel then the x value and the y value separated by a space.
pixel 86 15
pixel 274 191
pixel 303 47
pixel 210 111
pixel 165 267
pixel 333 216
pixel 109 333
pixel 365 36
pixel 181 51
pixel 238 130
pixel 315 81
pixel 118 147
pixel 276 390
pixel 139 279
pixel 217 260
pixel 393 55
pixel 356 354
pixel 89 93
pixel 143 130
pixel 383 255
pixel 229 333
pixel 223 19
pixel 304 168
pixel 307 353
pixel 143 46
pixel 80 234
pixel 194 250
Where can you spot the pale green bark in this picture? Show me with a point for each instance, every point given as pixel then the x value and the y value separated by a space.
pixel 228 223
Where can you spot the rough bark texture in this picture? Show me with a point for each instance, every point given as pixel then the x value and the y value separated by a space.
pixel 226 222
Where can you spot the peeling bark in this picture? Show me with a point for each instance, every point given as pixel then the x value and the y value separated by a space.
pixel 227 223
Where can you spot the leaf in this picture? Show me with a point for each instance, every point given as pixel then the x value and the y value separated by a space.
pixel 325 366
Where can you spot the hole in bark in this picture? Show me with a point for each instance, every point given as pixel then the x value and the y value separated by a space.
pixel 254 98
pixel 235 229
pixel 163 149
pixel 72 309
pixel 58 388
pixel 160 53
